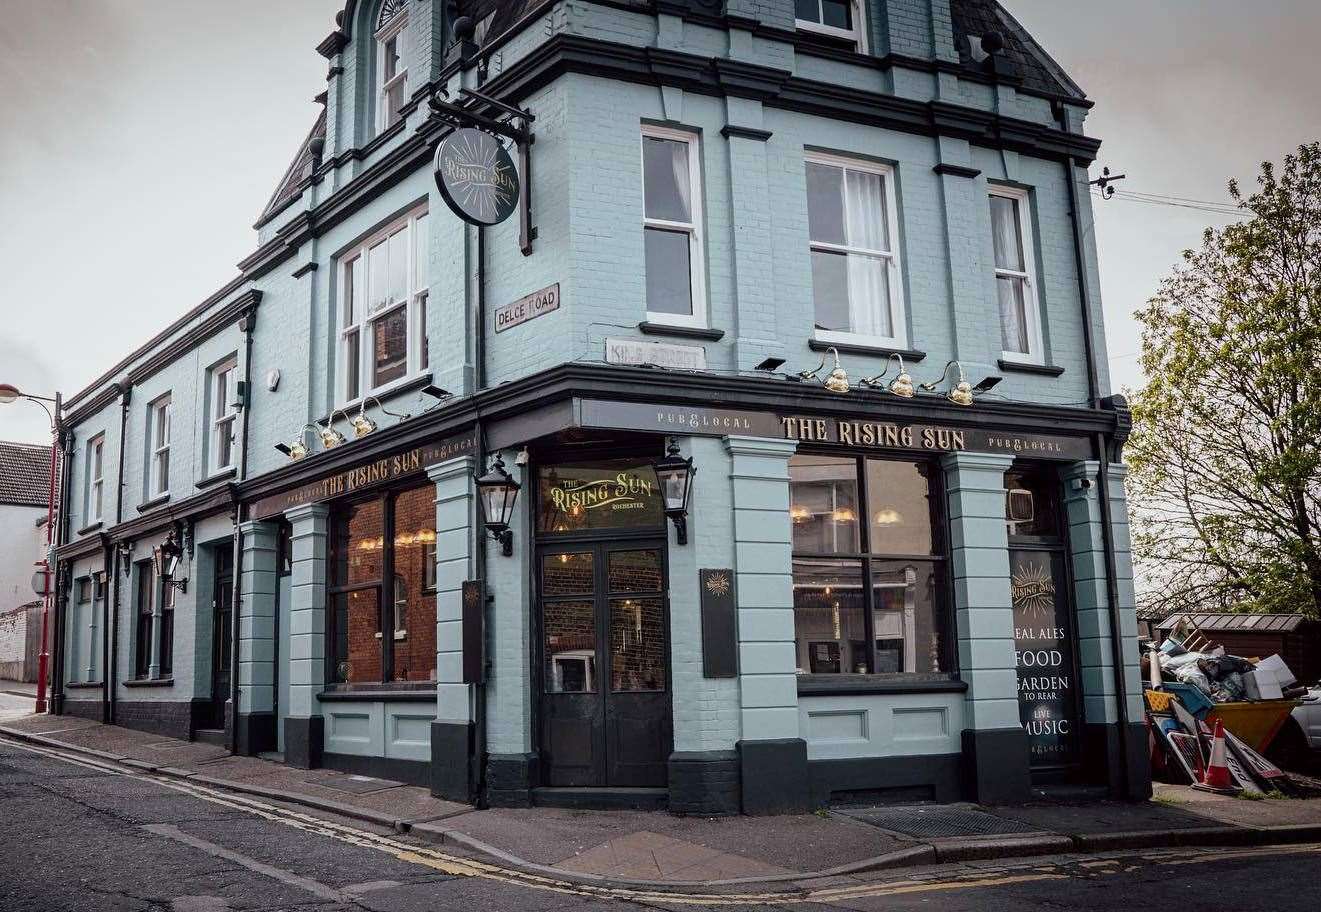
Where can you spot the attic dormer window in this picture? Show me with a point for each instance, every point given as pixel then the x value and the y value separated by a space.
pixel 391 73
pixel 836 19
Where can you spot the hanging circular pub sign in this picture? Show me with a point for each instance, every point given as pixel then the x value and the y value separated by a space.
pixel 476 177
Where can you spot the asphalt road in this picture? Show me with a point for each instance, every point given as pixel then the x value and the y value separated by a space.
pixel 78 837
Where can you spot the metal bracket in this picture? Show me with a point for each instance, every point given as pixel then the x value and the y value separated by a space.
pixel 509 121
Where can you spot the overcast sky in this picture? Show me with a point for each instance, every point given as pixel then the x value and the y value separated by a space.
pixel 139 140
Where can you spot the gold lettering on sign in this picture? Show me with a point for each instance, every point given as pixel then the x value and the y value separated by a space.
pixel 624 490
pixel 873 434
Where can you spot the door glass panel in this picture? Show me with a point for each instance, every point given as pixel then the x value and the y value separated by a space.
pixel 635 571
pixel 570 646
pixel 637 644
pixel 358 632
pixel 566 574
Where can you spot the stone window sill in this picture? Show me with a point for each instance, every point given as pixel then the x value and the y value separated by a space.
pixel 83 685
pixel 158 501
pixel 85 530
pixel 150 682
pixel 394 694
pixel 850 684
pixel 1043 370
pixel 650 328
pixel 222 475
pixel 854 348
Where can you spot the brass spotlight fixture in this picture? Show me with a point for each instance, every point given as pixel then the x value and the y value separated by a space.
pixel 960 393
pixel 363 425
pixel 330 438
pixel 901 385
pixel 838 381
pixel 294 449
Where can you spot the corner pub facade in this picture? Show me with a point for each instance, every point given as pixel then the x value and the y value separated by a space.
pixel 885 583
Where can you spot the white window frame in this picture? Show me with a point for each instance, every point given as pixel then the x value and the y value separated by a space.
pixel 158 444
pixel 696 236
pixel 94 497
pixel 224 415
pixel 364 315
pixel 392 29
pixel 894 270
pixel 1031 306
pixel 858 34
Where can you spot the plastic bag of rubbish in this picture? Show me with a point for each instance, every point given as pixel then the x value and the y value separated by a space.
pixel 1172 647
pixel 1189 673
pixel 1169 662
pixel 1219 667
pixel 1228 689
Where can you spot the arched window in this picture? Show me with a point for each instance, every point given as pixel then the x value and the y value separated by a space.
pixel 391 73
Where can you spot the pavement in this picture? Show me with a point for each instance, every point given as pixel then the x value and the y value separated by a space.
pixel 83 834
pixel 18 688
pixel 642 849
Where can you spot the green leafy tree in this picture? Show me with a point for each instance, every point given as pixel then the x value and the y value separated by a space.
pixel 1225 457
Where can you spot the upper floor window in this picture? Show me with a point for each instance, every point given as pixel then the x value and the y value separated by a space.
pixel 224 414
pixel 857 287
pixel 158 446
pixel 1015 268
pixel 840 19
pixel 383 292
pixel 84 584
pixel 93 496
pixel 672 227
pixel 391 74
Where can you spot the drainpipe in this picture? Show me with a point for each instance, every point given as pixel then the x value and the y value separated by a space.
pixel 112 634
pixel 247 325
pixel 1101 450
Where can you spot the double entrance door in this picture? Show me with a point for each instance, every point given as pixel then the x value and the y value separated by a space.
pixel 605 690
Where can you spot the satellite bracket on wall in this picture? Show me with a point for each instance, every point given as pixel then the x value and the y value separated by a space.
pixel 510 122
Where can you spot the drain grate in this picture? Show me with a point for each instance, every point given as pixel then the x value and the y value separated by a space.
pixel 938 821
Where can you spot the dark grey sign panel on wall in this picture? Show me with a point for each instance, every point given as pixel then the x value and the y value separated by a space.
pixel 719 624
pixel 1043 643
pixel 477 177
pixel 473 632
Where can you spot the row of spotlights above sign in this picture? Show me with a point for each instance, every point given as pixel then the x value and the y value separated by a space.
pixel 361 423
pixel 960 392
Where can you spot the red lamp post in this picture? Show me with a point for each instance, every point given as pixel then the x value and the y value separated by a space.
pixel 8 394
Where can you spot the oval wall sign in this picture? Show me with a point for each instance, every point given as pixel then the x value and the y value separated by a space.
pixel 477 177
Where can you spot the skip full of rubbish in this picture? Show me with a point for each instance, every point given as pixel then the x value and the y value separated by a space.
pixel 1212 715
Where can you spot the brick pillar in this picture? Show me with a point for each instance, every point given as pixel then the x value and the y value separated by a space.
pixel 454 771
pixel 772 755
pixel 304 728
pixel 995 748
pixel 255 718
pixel 1101 741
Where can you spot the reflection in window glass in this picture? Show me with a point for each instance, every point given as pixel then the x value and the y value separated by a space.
pixel 567 574
pixel 906 616
pixel 823 498
pixel 1031 503
pixel 899 507
pixel 390 347
pixel 635 571
pixel 637 644
pixel 414 584
pixel 829 622
pixel 357 626
pixel 570 631
pixel 359 545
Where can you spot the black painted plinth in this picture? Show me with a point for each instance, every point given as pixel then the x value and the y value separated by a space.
pixel 510 779
pixel 409 772
pixel 171 718
pixel 84 709
pixel 774 776
pixel 453 765
pixel 304 738
pixel 996 769
pixel 930 777
pixel 704 782
pixel 1102 760
pixel 256 733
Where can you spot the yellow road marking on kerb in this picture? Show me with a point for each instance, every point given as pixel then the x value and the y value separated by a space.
pixel 459 866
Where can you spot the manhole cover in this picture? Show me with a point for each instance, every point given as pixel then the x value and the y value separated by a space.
pixel 938 821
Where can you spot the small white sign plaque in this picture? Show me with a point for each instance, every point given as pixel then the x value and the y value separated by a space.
pixel 661 354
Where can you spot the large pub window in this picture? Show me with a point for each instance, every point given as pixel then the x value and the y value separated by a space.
pixel 383 632
pixel 869 574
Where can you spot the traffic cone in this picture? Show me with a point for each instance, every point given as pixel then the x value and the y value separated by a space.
pixel 1217 778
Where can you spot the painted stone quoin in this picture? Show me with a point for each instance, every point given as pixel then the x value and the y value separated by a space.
pixel 410 452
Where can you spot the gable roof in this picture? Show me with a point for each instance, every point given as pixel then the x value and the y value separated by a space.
pixel 1039 71
pixel 24 474
pixel 299 170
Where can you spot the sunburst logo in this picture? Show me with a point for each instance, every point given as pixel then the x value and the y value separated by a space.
pixel 718 584
pixel 477 177
pixel 1032 589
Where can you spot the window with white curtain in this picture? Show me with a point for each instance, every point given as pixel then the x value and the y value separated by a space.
pixel 391 73
pixel 1015 270
pixel 95 479
pixel 857 288
pixel 382 294
pixel 672 227
pixel 840 19
pixel 224 415
pixel 158 445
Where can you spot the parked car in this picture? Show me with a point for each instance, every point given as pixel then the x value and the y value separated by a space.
pixel 1308 717
pixel 1297 747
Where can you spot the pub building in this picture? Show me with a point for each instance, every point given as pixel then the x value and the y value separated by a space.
pixel 733 447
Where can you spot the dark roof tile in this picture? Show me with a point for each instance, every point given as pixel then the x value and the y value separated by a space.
pixel 24 474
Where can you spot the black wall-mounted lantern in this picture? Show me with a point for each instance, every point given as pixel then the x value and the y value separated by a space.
pixel 674 474
pixel 498 491
pixel 165 560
